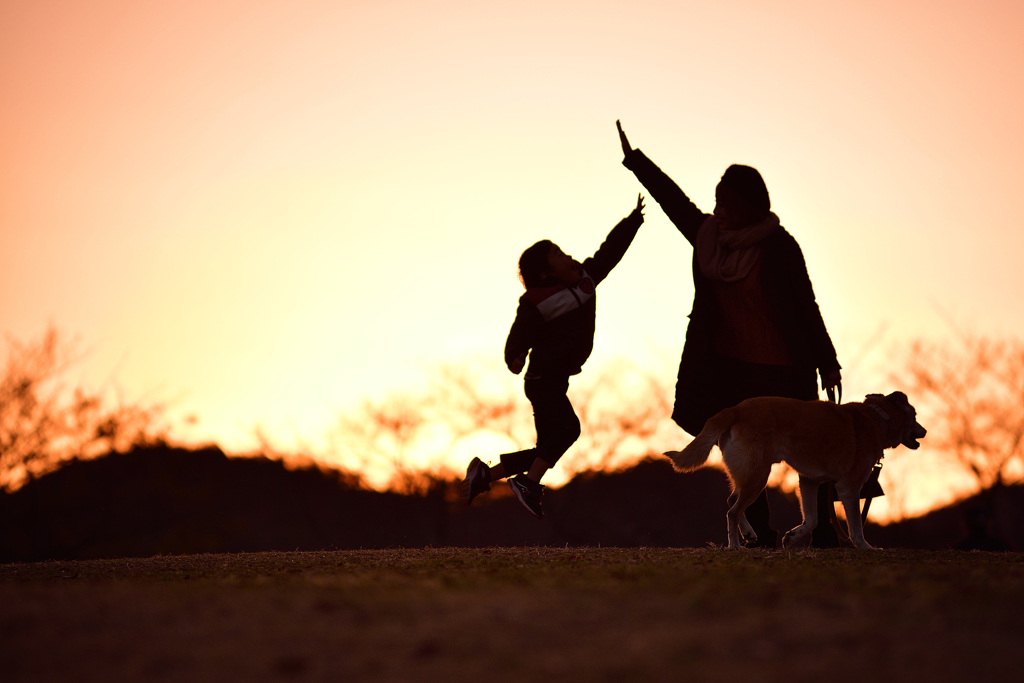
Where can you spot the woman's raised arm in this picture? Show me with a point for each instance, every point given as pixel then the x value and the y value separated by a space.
pixel 674 202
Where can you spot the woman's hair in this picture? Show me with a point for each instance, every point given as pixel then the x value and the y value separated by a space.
pixel 533 264
pixel 746 182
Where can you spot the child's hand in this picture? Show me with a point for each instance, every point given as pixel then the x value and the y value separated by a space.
pixel 639 210
pixel 516 366
pixel 626 149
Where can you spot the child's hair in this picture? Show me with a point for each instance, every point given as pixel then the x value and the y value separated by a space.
pixel 533 264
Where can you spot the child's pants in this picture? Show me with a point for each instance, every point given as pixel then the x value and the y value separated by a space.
pixel 556 421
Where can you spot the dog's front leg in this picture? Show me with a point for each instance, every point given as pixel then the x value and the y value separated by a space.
pixel 809 509
pixel 851 503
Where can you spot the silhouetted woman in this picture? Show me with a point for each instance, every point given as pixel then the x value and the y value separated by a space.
pixel 755 328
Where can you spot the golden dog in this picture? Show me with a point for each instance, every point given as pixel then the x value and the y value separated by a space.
pixel 822 441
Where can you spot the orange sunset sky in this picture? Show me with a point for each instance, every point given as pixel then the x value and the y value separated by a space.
pixel 262 212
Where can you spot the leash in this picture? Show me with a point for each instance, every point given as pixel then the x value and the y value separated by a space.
pixel 871 489
pixel 831 393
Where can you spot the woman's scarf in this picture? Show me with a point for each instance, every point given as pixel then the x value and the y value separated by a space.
pixel 728 255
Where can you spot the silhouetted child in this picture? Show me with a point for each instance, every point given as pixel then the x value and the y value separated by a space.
pixel 556 320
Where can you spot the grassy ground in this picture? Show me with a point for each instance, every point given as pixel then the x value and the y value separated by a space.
pixel 573 614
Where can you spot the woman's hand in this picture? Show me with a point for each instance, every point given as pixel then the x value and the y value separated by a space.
pixel 516 366
pixel 832 381
pixel 626 149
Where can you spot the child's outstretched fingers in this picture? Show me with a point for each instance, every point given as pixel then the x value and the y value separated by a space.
pixel 639 204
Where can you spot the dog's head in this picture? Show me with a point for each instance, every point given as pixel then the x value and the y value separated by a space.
pixel 911 430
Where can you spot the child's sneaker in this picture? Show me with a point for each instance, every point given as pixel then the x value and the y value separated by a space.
pixel 478 480
pixel 528 492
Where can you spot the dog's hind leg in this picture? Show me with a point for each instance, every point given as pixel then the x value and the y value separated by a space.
pixel 809 509
pixel 744 495
pixel 731 524
pixel 732 520
pixel 747 531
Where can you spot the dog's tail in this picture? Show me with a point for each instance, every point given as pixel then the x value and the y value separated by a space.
pixel 696 453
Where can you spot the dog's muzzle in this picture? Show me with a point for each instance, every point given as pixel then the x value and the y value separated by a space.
pixel 918 432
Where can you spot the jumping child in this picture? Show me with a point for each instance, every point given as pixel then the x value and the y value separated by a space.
pixel 555 319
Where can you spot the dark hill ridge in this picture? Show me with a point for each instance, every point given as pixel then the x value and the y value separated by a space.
pixel 164 500
pixel 173 501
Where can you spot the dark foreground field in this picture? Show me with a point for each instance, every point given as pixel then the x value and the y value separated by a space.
pixel 576 614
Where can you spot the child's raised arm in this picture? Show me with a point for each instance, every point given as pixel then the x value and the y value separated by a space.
pixel 615 245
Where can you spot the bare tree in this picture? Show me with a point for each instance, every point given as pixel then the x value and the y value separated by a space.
pixel 623 411
pixel 378 438
pixel 386 439
pixel 43 424
pixel 973 391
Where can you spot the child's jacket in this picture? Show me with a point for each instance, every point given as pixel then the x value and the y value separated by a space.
pixel 558 322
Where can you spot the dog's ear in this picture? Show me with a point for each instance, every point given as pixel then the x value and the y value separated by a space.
pixel 912 429
pixel 900 400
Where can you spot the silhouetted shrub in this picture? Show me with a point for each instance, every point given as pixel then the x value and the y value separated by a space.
pixel 43 424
